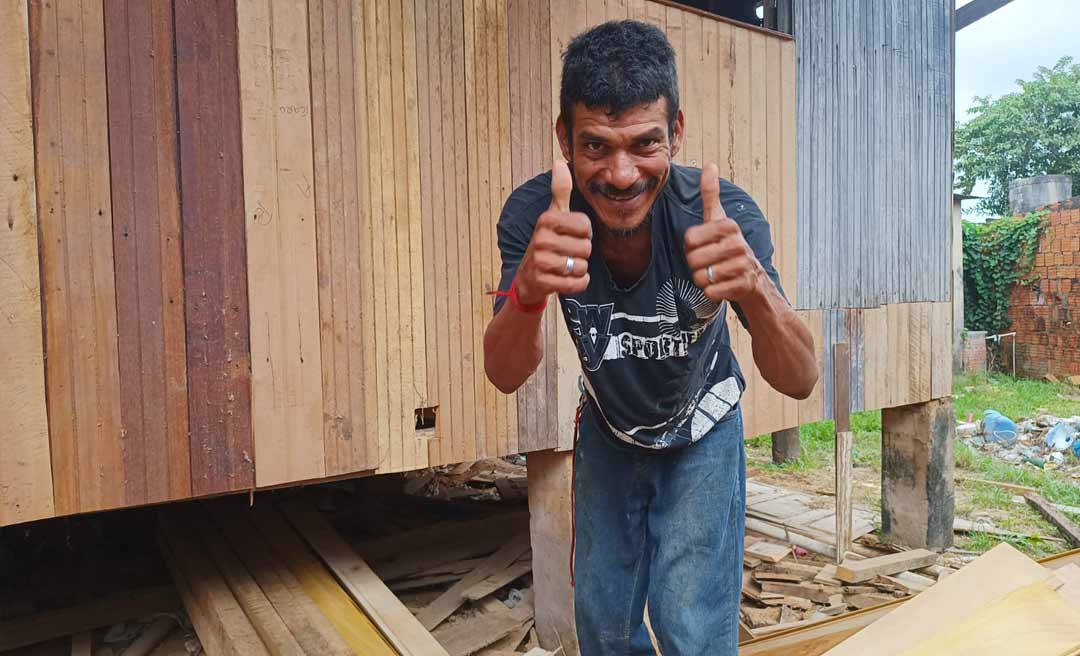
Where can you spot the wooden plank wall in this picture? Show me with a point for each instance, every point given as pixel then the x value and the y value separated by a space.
pixel 148 255
pixel 25 468
pixel 331 174
pixel 874 121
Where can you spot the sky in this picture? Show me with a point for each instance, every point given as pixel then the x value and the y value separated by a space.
pixel 1009 44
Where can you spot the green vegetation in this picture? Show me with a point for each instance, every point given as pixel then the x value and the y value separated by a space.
pixel 1017 398
pixel 997 255
pixel 1034 131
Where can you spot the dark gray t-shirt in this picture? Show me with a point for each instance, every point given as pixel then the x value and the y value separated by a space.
pixel 656 356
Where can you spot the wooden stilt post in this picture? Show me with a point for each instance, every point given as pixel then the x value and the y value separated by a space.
pixel 842 416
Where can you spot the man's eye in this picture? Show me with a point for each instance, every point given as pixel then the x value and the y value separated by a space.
pixel 594 146
pixel 649 143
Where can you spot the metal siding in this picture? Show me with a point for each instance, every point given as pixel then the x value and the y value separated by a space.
pixel 873 166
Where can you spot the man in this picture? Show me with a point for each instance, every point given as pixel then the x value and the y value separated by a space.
pixel 645 256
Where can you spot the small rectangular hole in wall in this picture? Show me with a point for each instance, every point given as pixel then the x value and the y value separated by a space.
pixel 425 417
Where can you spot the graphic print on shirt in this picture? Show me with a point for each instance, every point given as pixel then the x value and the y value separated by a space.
pixel 682 314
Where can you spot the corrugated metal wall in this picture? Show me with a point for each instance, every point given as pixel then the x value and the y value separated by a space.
pixel 874 169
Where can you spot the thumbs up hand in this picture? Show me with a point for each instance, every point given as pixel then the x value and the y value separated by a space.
pixel 557 259
pixel 723 264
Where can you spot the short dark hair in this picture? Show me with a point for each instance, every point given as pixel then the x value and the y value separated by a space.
pixel 618 65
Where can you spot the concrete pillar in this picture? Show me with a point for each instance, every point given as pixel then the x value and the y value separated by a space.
pixel 785 446
pixel 917 488
pixel 551 526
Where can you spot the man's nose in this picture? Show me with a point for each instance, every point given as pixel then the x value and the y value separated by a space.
pixel 623 172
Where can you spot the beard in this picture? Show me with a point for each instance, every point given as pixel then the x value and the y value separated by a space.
pixel 614 193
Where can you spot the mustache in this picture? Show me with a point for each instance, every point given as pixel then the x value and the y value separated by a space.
pixel 614 193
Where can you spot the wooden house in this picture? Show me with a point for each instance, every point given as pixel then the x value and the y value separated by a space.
pixel 248 243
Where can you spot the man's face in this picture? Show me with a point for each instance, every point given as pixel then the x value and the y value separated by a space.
pixel 620 163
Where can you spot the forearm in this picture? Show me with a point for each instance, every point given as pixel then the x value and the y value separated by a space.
pixel 513 347
pixel 782 345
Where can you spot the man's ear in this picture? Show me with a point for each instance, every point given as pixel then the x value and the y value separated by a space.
pixel 564 138
pixel 677 135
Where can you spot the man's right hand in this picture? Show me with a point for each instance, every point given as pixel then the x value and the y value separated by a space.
pixel 560 237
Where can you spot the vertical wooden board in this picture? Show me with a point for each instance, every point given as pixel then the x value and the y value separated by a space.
pixel 396 337
pixel 692 82
pixel 759 107
pixel 466 196
pixel 857 358
pixel 419 38
pixel 500 184
pixel 364 271
pixel 148 254
pixel 470 239
pixel 942 345
pixel 741 124
pixel 283 293
pixel 875 362
pixel 82 376
pixel 710 94
pixel 377 221
pixel 812 408
pixel 26 486
pixel 677 35
pixel 725 108
pixel 414 448
pixel 440 131
pixel 920 350
pixel 773 153
pixel 341 197
pixel 788 245
pixel 905 367
pixel 213 234
pixel 479 166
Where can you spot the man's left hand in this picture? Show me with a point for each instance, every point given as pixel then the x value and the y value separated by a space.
pixel 724 265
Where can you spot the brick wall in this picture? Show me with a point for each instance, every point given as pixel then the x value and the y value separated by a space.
pixel 973 354
pixel 1045 312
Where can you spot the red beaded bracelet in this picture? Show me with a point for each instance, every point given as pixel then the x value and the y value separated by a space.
pixel 512 295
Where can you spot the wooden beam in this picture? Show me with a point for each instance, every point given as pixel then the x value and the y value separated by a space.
pixel 392 618
pixel 101 611
pixel 219 621
pixel 1067 527
pixel 844 446
pixel 976 10
pixel 863 570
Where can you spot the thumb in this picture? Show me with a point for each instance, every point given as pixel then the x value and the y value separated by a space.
pixel 561 184
pixel 711 209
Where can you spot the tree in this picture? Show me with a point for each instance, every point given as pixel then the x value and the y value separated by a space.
pixel 1035 131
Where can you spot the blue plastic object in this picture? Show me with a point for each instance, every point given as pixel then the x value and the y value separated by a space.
pixel 998 428
pixel 1061 437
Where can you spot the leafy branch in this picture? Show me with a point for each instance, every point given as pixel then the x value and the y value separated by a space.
pixel 997 255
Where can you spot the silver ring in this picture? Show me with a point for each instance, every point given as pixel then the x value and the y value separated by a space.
pixel 569 266
pixel 709 274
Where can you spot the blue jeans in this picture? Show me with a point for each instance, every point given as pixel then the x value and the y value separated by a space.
pixel 662 526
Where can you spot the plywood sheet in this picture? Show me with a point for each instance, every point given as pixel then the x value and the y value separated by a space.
pixel 144 169
pixel 26 490
pixel 70 121
pixel 215 261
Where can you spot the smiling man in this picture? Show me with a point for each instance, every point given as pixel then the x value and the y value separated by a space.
pixel 645 257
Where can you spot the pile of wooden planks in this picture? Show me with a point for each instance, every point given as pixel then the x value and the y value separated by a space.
pixel 781 590
pixel 468 581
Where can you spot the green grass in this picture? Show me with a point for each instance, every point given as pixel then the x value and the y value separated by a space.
pixel 1016 398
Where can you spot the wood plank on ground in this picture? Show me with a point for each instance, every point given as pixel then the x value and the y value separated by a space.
pixel 393 619
pixel 101 611
pixel 856 571
pixel 442 607
pixel 307 623
pixel 769 551
pixel 25 469
pixel 519 568
pixel 1059 519
pixel 219 620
